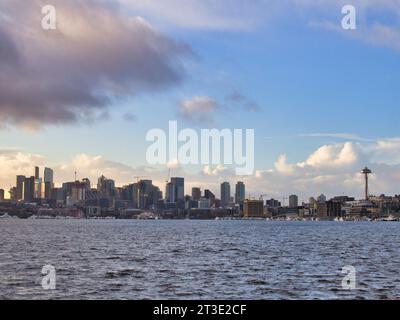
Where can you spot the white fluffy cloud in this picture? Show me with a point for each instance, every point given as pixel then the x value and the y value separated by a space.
pixel 13 162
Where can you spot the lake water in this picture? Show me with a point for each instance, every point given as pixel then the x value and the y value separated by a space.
pixel 188 259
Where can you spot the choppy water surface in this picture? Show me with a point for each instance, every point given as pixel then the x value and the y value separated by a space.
pixel 198 259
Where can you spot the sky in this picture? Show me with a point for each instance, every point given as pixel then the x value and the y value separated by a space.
pixel 323 101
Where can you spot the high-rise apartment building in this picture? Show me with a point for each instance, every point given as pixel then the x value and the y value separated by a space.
pixel 19 188
pixel 293 201
pixel 29 189
pixel 225 194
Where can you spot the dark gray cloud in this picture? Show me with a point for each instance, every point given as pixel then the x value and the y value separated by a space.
pixel 240 100
pixel 130 117
pixel 72 74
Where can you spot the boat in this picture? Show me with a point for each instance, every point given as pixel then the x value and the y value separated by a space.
pixel 390 218
pixel 5 216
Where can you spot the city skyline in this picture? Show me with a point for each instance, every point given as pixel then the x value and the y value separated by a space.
pixel 41 185
pixel 37 196
pixel 236 66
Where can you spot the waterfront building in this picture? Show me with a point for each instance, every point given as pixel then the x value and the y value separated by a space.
pixel 204 203
pixel 253 209
pixel 322 209
pixel 334 208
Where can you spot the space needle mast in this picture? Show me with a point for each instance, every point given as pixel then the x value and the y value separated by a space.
pixel 366 171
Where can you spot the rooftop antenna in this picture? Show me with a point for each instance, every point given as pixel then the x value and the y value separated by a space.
pixel 75 175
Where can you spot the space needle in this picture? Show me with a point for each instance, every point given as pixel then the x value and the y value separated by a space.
pixel 366 171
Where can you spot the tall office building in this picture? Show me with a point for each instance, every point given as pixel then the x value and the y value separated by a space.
pixel 240 192
pixel 196 194
pixel 106 187
pixel 48 183
pixel 147 194
pixel 175 190
pixel 293 201
pixel 225 194
pixel 19 188
pixel 48 175
pixel 209 195
pixel 37 173
pixel 179 185
pixel 170 193
pixel 29 189
pixel 1 195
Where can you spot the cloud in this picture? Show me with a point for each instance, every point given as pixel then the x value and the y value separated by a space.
pixel 370 15
pixel 72 74
pixel 229 15
pixel 333 156
pixel 92 167
pixel 282 167
pixel 13 162
pixel 239 100
pixel 239 15
pixel 344 136
pixel 215 171
pixel 130 117
pixel 198 110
